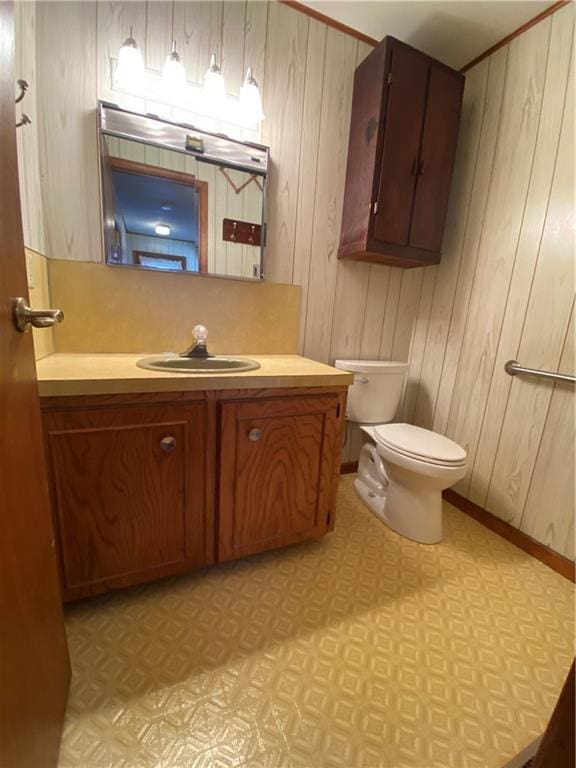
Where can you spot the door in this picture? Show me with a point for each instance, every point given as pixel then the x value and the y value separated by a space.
pixel 34 666
pixel 128 492
pixel 278 462
pixel 439 140
pixel 403 131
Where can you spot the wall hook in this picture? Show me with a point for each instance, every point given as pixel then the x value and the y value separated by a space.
pixel 24 120
pixel 23 85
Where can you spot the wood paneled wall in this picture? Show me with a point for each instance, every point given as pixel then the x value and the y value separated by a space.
pixel 505 289
pixel 305 70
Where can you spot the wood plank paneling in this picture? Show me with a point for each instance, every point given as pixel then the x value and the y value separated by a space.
pixel 308 164
pixel 448 269
pixel 543 334
pixel 506 288
pixel 27 136
pixel 199 25
pixel 283 104
pixel 159 30
pixel 548 515
pixel 535 211
pixel 339 66
pixel 66 62
pixel 503 218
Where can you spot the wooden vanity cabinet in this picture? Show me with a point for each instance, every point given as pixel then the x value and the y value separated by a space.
pixel 129 481
pixel 279 465
pixel 148 485
pixel 403 135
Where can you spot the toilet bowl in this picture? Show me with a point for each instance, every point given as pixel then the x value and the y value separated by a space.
pixel 401 475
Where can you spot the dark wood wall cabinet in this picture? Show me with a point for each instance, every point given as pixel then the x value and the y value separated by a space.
pixel 149 485
pixel 403 134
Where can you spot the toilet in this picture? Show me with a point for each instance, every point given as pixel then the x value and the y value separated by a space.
pixel 402 474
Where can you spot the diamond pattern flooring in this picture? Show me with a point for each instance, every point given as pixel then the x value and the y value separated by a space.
pixel 363 649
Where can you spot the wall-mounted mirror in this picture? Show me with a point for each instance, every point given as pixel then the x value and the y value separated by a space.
pixel 179 199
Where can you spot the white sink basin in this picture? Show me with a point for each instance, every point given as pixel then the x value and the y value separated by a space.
pixel 214 364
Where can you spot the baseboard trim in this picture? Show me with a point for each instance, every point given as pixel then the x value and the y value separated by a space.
pixel 541 552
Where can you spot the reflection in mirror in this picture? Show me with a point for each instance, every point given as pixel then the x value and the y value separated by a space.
pixel 173 210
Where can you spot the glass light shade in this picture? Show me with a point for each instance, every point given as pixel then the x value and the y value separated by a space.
pixel 130 69
pixel 250 100
pixel 174 76
pixel 214 88
pixel 162 229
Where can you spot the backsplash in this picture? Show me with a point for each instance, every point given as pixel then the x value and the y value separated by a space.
pixel 113 309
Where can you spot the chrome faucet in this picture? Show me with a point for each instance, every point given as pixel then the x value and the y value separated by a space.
pixel 198 348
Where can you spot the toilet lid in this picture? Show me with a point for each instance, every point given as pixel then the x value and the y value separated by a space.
pixel 422 444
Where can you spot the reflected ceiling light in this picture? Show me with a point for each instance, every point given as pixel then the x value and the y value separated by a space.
pixel 162 229
pixel 166 207
pixel 214 90
pixel 250 101
pixel 130 69
pixel 174 74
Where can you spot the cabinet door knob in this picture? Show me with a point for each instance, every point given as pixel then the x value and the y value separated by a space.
pixel 255 434
pixel 167 444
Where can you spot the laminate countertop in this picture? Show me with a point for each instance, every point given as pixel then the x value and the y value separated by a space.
pixel 62 375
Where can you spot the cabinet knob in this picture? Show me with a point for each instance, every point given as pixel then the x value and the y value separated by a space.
pixel 167 444
pixel 255 434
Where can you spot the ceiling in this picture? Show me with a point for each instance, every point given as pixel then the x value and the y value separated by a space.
pixel 453 32
pixel 140 199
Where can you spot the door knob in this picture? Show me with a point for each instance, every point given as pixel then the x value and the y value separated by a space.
pixel 24 316
pixel 255 434
pixel 167 444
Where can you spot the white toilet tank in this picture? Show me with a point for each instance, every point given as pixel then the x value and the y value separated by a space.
pixel 375 395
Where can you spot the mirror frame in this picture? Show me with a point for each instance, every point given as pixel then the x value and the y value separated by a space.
pixel 219 149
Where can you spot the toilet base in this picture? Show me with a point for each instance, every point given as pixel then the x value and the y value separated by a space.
pixel 415 513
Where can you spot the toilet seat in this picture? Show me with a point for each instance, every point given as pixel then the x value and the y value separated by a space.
pixel 420 444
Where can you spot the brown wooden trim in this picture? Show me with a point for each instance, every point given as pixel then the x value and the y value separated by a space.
pixel 557 562
pixel 541 552
pixel 117 400
pixel 330 22
pixel 505 40
pixel 202 187
pixel 143 169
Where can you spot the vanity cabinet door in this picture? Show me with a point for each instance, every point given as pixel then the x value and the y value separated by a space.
pixel 279 463
pixel 128 490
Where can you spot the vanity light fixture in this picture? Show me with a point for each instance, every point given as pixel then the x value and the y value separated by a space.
pixel 214 89
pixel 130 69
pixel 162 229
pixel 250 100
pixel 174 74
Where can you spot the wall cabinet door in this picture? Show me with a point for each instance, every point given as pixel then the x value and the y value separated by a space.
pixel 439 138
pixel 404 118
pixel 279 463
pixel 128 493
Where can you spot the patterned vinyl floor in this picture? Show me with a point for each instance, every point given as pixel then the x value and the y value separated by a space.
pixel 363 649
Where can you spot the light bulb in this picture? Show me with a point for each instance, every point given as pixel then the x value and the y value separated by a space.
pixel 214 90
pixel 162 229
pixel 174 75
pixel 130 69
pixel 250 101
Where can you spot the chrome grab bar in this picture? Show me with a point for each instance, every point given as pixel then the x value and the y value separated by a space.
pixel 513 368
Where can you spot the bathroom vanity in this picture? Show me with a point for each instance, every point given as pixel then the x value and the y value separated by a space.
pixel 154 474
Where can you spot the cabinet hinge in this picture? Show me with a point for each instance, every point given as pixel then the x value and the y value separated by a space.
pixel 389 79
pixel 375 207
